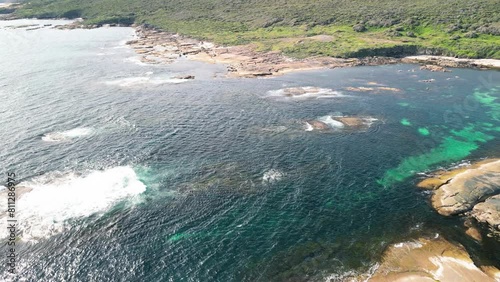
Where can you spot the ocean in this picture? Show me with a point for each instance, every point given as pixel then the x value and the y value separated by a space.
pixel 126 173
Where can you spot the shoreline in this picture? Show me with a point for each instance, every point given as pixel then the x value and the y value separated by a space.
pixel 160 47
pixel 154 46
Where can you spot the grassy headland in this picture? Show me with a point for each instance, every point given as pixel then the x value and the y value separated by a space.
pixel 337 28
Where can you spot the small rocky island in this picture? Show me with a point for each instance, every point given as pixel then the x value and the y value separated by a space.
pixel 329 123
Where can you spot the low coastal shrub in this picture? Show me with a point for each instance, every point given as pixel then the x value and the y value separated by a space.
pixel 454 27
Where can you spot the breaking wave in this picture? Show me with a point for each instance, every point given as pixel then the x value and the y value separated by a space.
pixel 141 80
pixel 47 203
pixel 59 136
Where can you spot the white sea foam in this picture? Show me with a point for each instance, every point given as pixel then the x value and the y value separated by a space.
pixel 306 92
pixel 352 275
pixel 272 175
pixel 135 60
pixel 59 136
pixel 410 245
pixel 142 80
pixel 54 199
pixel 328 120
pixel 369 120
pixel 309 127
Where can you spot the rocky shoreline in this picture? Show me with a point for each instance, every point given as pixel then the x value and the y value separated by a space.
pixel 155 47
pixel 159 47
pixel 472 191
pixel 452 62
pixel 434 259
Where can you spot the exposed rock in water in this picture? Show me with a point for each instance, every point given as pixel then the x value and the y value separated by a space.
pixel 474 234
pixel 318 125
pixel 360 89
pixel 457 191
pixel 297 91
pixel 430 260
pixel 370 89
pixel 305 92
pixel 352 121
pixel 434 68
pixel 389 89
pixel 472 231
pixel 184 77
pixel 339 122
pixel 473 189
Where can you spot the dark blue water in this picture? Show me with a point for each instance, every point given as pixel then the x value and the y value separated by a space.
pixel 134 176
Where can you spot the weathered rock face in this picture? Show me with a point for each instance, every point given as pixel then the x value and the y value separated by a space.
pixel 488 212
pixel 430 260
pixel 474 190
pixel 460 190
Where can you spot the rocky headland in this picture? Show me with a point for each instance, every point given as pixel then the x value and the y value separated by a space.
pixel 472 190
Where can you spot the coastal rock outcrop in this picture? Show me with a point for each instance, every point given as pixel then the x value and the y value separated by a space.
pixel 453 62
pixel 473 189
pixel 184 77
pixel 316 125
pixel 488 212
pixel 430 260
pixel 339 122
pixel 372 89
pixel 457 191
pixel 434 68
pixel 304 92
pixel 155 46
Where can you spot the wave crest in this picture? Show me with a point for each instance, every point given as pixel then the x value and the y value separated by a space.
pixel 48 202
pixel 59 136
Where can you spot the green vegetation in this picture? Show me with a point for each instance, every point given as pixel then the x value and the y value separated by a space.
pixel 324 27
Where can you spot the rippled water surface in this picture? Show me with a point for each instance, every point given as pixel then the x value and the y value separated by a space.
pixel 129 174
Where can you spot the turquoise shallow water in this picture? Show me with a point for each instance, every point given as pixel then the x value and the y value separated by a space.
pixel 137 177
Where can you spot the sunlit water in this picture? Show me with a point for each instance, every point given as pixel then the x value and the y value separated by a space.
pixel 132 175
